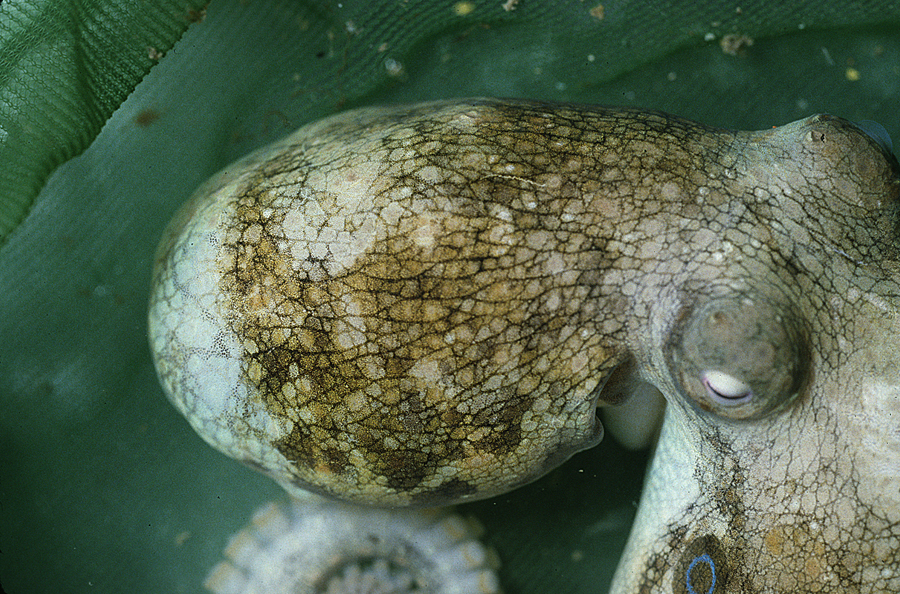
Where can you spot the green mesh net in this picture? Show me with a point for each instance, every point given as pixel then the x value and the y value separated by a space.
pixel 104 486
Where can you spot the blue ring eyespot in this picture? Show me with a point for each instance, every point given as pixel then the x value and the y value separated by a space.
pixel 704 558
pixel 701 567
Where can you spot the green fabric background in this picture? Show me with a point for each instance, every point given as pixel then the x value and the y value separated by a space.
pixel 103 486
pixel 65 66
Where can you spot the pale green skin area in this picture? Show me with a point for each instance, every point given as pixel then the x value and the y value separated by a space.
pixel 420 306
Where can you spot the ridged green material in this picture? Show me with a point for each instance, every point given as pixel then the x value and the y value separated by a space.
pixel 65 66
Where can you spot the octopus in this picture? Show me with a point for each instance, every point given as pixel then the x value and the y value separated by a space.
pixel 425 305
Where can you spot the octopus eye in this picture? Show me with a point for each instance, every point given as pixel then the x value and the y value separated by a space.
pixel 738 357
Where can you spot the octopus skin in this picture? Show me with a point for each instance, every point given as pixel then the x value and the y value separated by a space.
pixel 426 305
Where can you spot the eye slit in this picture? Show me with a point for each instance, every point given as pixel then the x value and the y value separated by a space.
pixel 725 388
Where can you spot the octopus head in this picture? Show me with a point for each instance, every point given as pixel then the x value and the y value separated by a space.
pixel 777 467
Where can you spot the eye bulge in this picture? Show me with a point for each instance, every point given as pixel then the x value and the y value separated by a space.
pixel 738 357
pixel 877 132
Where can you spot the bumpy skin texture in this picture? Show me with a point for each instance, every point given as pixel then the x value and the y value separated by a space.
pixel 424 305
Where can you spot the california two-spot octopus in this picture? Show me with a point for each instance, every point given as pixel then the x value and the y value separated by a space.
pixel 425 305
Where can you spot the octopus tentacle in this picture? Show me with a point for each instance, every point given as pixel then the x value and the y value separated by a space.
pixel 313 545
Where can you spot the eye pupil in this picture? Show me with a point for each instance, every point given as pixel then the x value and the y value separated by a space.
pixel 725 388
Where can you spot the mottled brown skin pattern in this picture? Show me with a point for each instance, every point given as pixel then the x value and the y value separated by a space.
pixel 428 303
